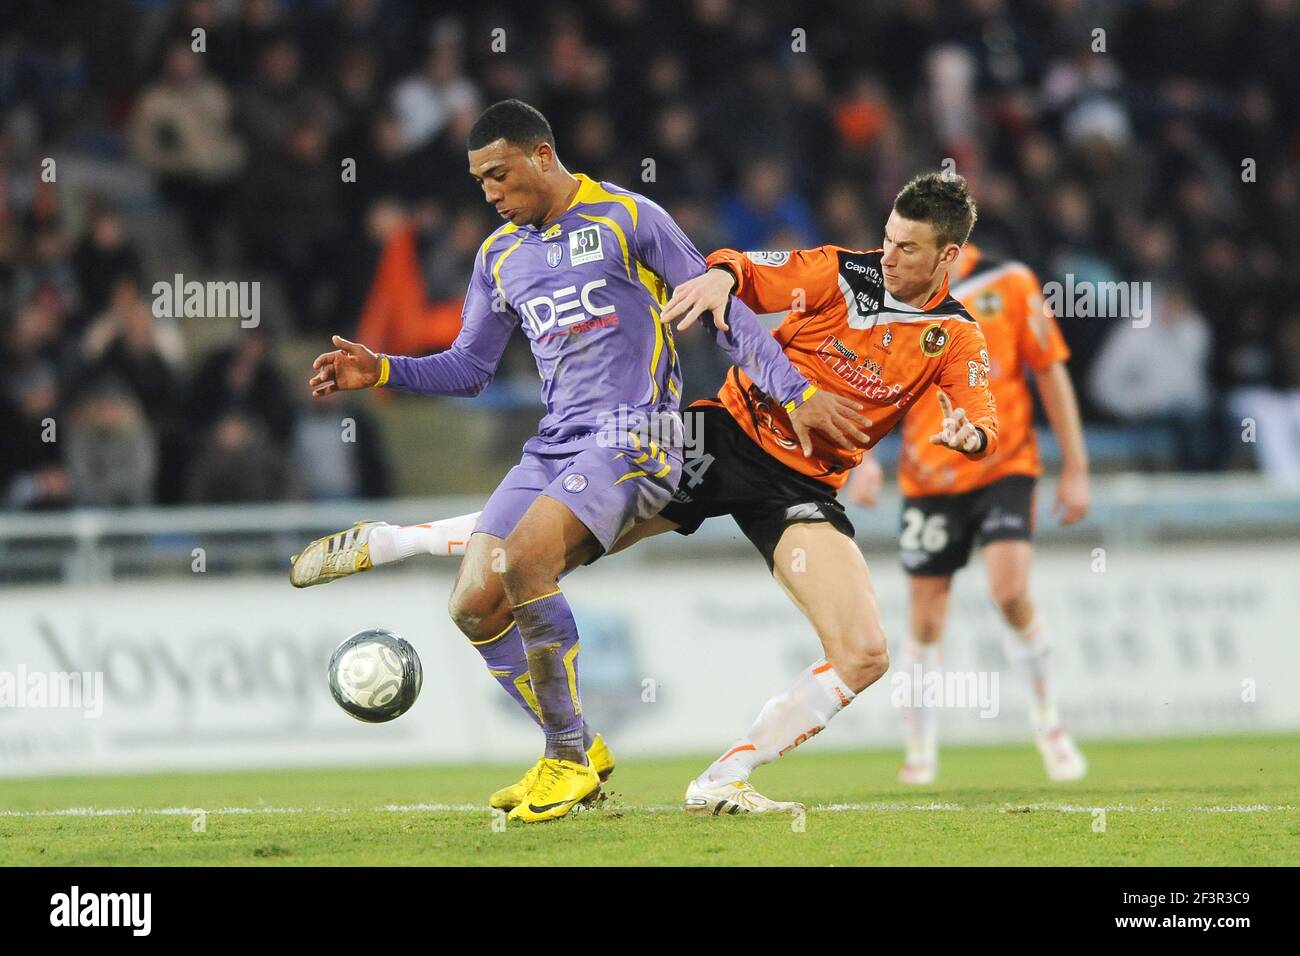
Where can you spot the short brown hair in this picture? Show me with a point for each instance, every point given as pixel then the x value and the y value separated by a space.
pixel 944 201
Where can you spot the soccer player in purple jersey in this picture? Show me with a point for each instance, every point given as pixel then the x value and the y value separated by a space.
pixel 585 268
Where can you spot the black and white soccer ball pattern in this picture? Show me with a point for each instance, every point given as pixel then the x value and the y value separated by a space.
pixel 375 675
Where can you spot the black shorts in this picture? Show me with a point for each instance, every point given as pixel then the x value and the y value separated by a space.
pixel 938 531
pixel 733 476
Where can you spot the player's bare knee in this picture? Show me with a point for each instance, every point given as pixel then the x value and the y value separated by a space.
pixel 477 614
pixel 1015 605
pixel 861 661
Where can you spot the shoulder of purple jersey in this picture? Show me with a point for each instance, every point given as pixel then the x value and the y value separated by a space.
pixel 481 260
pixel 633 203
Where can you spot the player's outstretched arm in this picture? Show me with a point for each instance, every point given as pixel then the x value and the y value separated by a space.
pixel 464 369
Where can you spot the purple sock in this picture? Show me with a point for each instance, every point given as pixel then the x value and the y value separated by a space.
pixel 506 661
pixel 550 638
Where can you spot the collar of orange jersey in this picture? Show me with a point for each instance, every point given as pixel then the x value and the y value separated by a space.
pixel 940 294
pixel 970 258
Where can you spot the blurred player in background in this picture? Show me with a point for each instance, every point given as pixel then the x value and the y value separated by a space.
pixel 585 268
pixel 950 504
pixel 878 327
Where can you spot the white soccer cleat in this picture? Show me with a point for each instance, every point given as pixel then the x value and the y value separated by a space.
pixel 1061 758
pixel 732 797
pixel 334 556
pixel 918 771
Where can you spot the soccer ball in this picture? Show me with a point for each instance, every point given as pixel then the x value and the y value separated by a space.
pixel 375 675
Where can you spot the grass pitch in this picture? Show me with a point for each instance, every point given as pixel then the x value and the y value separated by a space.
pixel 1221 801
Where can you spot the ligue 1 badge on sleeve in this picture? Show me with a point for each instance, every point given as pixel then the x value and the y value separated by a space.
pixel 554 253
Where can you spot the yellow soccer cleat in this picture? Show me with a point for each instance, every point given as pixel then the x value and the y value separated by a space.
pixel 601 758
pixel 334 556
pixel 561 785
pixel 507 798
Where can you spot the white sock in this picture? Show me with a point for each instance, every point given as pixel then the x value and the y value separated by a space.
pixel 397 543
pixel 1028 650
pixel 786 721
pixel 920 723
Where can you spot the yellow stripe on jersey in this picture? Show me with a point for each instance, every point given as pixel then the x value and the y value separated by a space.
pixel 503 231
pixel 672 361
pixel 655 285
pixel 654 356
pixel 496 269
pixel 659 293
pixel 590 191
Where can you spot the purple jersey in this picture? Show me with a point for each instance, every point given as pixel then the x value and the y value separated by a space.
pixel 588 289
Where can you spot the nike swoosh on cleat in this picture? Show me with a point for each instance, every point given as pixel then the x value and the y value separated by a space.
pixel 548 806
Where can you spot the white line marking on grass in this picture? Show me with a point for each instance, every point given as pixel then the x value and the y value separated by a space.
pixel 933 807
pixel 1129 808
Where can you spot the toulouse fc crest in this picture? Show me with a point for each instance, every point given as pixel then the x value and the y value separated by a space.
pixel 574 483
pixel 554 253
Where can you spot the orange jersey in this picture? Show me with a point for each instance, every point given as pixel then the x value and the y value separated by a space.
pixel 845 333
pixel 1022 335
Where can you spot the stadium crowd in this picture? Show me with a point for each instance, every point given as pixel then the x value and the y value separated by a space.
pixel 1106 142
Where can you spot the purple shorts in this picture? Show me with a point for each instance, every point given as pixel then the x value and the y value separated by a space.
pixel 609 487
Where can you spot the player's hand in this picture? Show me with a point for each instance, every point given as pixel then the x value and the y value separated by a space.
pixel 833 416
pixel 350 365
pixel 865 482
pixel 709 292
pixel 957 432
pixel 1073 496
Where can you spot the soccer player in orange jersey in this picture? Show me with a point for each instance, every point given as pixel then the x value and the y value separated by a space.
pixel 876 327
pixel 950 503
